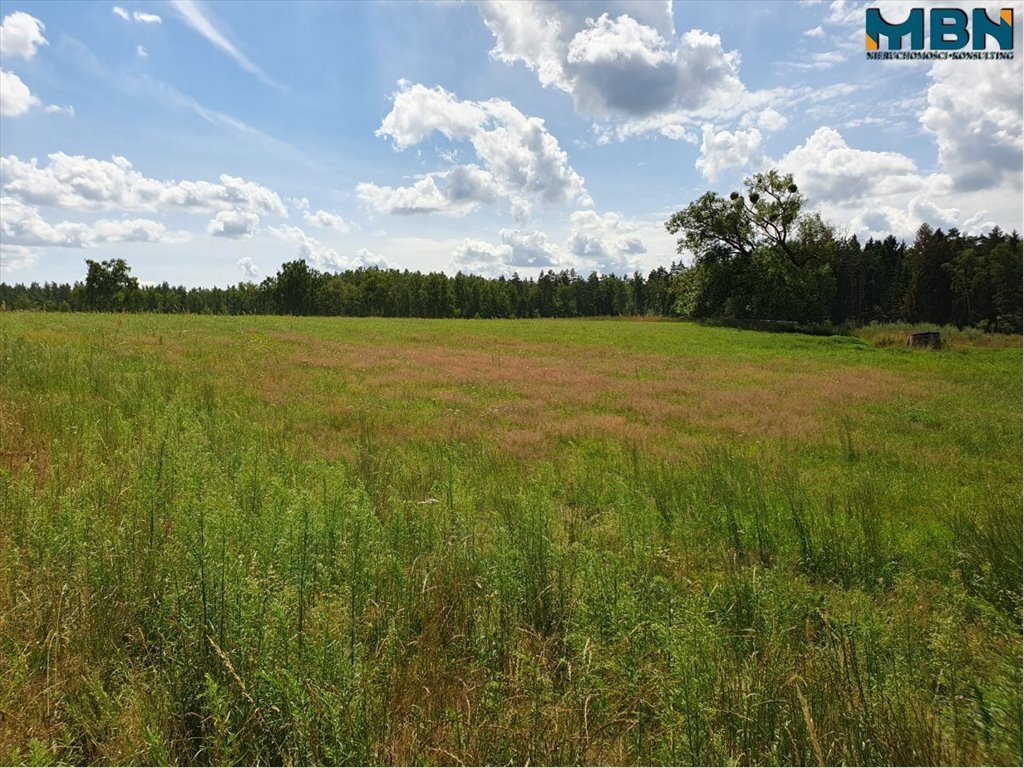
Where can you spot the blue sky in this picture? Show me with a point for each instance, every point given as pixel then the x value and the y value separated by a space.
pixel 209 142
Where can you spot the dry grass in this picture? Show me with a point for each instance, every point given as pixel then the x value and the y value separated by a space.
pixel 527 397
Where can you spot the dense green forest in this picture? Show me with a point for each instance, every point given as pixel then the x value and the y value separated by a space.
pixel 756 257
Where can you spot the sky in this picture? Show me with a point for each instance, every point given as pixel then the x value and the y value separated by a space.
pixel 207 143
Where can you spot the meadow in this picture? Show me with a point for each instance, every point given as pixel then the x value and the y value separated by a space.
pixel 287 540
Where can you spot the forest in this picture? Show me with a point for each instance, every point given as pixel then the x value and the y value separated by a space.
pixel 753 257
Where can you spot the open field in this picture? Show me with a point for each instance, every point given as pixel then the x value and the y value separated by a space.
pixel 284 540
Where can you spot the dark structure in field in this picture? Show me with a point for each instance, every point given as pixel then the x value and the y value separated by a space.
pixel 930 339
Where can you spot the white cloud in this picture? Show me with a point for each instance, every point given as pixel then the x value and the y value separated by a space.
pixel 135 231
pixel 419 111
pixel 20 35
pixel 538 34
pixel 518 250
pixel 14 257
pixel 821 60
pixel 521 161
pixel 141 52
pixel 678 133
pixel 815 31
pixel 723 150
pixel 56 109
pixel 15 97
pixel 880 220
pixel 367 258
pixel 471 188
pixel 325 220
pixel 827 169
pixel 78 182
pixel 121 12
pixel 147 18
pixel 603 242
pixel 478 257
pixel 235 225
pixel 531 249
pixel 622 61
pixel 312 250
pixel 249 268
pixel 974 112
pixel 23 225
pixel 606 242
pixel 873 194
pixel 767 120
pixel 979 223
pixel 620 67
pixel 194 15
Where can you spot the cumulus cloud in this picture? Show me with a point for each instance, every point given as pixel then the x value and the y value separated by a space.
pixel 419 111
pixel 235 225
pixel 78 182
pixel 425 196
pixel 312 250
pixel 478 257
pixel 13 257
pixel 147 18
pixel 141 52
pixel 880 220
pixel 531 249
pixel 15 97
pixel 974 112
pixel 874 194
pixel 20 35
pixel 325 220
pixel 321 256
pixel 519 249
pixel 367 258
pixel 607 242
pixel 621 67
pixel 538 33
pixel 621 61
pixel 519 160
pixel 121 12
pixel 827 169
pixel 768 120
pixel 23 225
pixel 249 268
pixel 723 150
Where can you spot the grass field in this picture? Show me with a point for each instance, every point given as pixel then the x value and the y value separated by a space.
pixel 283 540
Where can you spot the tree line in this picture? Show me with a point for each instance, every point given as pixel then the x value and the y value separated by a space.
pixel 756 256
pixel 298 289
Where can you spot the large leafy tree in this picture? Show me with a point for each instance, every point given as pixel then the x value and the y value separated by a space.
pixel 109 286
pixel 767 215
pixel 757 255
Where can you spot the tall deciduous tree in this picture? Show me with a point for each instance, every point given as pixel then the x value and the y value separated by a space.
pixel 757 255
pixel 109 286
pixel 766 216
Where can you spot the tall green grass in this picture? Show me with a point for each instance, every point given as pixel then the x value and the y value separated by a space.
pixel 185 579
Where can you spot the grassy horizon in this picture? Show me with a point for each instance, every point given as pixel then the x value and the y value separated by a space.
pixel 345 540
